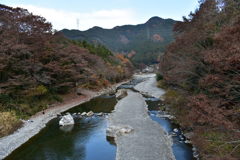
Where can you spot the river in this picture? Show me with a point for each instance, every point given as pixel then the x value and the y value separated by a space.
pixel 87 139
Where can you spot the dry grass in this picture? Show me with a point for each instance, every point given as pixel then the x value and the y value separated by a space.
pixel 162 84
pixel 8 123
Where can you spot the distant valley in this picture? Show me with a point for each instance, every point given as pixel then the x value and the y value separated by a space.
pixel 142 43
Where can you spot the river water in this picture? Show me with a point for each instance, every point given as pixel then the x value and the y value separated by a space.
pixel 87 139
pixel 181 150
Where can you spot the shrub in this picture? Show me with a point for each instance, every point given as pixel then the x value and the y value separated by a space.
pixel 177 105
pixel 159 77
pixel 220 144
pixel 8 123
pixel 5 99
pixel 162 84
pixel 174 98
pixel 39 91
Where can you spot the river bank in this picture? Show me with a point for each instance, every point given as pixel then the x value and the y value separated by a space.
pixel 37 122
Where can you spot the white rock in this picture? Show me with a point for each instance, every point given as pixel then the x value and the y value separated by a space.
pixel 99 114
pixel 110 91
pixel 195 155
pixel 166 116
pixel 181 138
pixel 89 114
pixel 121 93
pixel 125 130
pixel 84 114
pixel 175 130
pixel 66 120
pixel 187 141
pixel 194 149
pixel 173 134
pixel 112 131
pixel 67 128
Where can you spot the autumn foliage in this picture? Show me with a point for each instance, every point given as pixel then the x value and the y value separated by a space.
pixel 205 61
pixel 37 64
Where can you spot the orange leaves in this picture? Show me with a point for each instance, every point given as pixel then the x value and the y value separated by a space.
pixel 122 58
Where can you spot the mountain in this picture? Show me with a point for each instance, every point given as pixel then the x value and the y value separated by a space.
pixel 142 43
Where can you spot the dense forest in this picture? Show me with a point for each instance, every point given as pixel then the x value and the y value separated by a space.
pixel 37 66
pixel 142 43
pixel 202 70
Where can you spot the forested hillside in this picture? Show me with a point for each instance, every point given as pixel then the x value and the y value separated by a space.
pixel 38 65
pixel 143 43
pixel 203 69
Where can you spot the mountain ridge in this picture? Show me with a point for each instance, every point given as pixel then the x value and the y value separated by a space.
pixel 154 35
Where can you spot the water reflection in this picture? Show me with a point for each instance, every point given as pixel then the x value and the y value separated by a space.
pixel 86 140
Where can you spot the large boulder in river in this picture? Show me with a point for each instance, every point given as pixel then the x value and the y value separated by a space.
pixel 121 93
pixel 66 120
pixel 67 128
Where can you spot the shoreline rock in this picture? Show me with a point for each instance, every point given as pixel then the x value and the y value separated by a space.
pixel 89 114
pixel 66 120
pixel 121 93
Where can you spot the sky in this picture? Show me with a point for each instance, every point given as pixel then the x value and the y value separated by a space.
pixel 85 14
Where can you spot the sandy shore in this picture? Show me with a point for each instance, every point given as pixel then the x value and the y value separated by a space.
pixel 39 121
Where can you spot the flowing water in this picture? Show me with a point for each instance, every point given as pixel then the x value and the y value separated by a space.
pixel 87 140
pixel 181 150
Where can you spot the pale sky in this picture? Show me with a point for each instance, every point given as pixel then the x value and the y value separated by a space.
pixel 103 13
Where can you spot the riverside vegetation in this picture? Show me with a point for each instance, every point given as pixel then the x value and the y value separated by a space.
pixel 38 66
pixel 201 71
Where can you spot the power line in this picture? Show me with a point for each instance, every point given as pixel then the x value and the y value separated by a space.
pixel 77 23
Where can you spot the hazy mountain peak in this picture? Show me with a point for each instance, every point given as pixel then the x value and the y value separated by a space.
pixel 96 28
pixel 147 40
pixel 155 19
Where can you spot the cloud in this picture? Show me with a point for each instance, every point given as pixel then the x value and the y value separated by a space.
pixel 63 19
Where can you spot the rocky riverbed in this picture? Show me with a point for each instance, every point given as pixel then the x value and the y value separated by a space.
pixel 149 86
pixel 136 135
